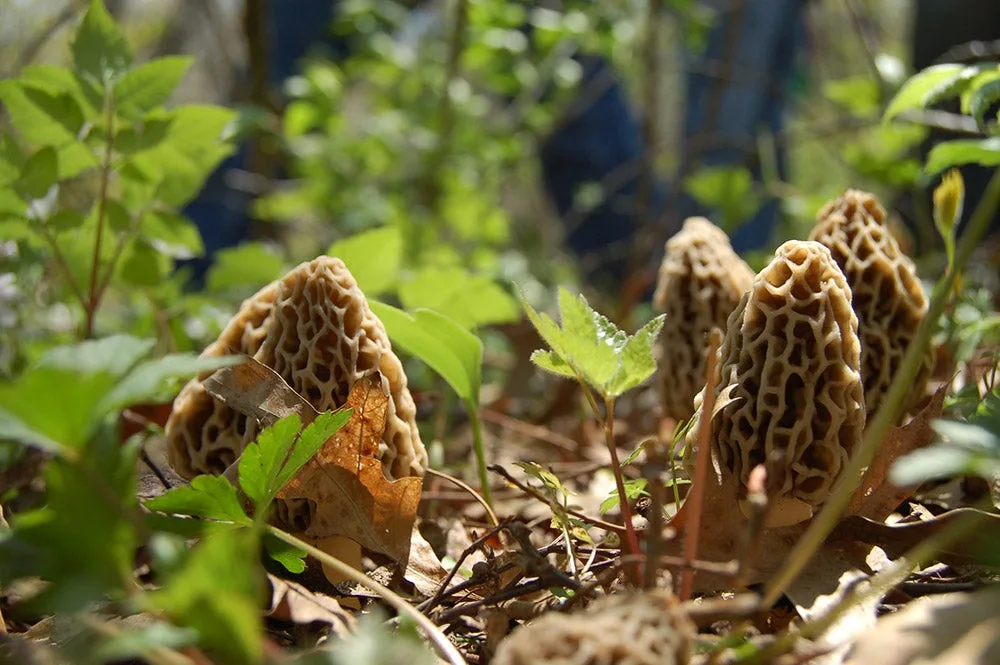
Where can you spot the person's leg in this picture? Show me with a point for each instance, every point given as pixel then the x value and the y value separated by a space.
pixel 737 88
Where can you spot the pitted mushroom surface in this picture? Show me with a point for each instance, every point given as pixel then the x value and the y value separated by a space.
pixel 700 282
pixel 790 395
pixel 888 297
pixel 627 628
pixel 315 329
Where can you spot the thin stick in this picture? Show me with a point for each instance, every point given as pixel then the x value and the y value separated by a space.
pixel 823 524
pixel 607 526
pixel 94 300
pixel 696 495
pixel 434 634
pixel 468 488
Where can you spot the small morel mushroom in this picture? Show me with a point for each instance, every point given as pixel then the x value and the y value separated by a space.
pixel 315 329
pixel 790 395
pixel 888 297
pixel 700 282
pixel 627 628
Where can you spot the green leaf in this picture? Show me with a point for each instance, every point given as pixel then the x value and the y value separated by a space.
pixel 292 558
pixel 985 152
pixel 634 489
pixel 548 479
pixel 99 48
pixel 982 98
pixel 913 94
pixel 61 108
pixel 172 234
pixel 470 300
pixel 550 361
pixel 217 592
pixel 149 85
pixel 11 158
pixel 449 349
pixel 638 362
pixel 65 220
pixel 142 266
pixel 312 438
pixel 261 461
pixel 982 78
pixel 39 174
pixel 157 380
pixel 33 124
pixel 211 497
pixel 591 343
pixel 56 404
pixel 551 333
pixel 373 257
pixel 248 265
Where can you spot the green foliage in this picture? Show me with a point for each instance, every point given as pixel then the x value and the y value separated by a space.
pixel 95 168
pixel 373 257
pixel 591 349
pixel 727 189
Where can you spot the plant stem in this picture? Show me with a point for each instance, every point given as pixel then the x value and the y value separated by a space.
pixel 823 524
pixel 434 634
pixel 631 543
pixel 94 300
pixel 480 449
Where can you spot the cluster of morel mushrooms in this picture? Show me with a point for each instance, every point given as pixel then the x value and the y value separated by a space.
pixel 811 345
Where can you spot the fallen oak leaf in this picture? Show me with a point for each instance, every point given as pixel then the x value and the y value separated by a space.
pixel 345 489
pixel 876 497
pixel 255 390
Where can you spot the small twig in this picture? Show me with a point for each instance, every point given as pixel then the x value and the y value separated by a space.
pixel 824 523
pixel 434 634
pixel 560 441
pixel 443 590
pixel 468 488
pixel 696 495
pixel 61 262
pixel 607 526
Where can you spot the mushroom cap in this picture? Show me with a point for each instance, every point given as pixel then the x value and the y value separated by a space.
pixel 315 329
pixel 790 377
pixel 700 282
pixel 628 628
pixel 888 297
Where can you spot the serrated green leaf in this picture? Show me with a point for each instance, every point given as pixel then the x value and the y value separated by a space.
pixel 149 85
pixel 551 333
pixel 548 479
pixel 550 361
pixel 985 152
pixel 634 488
pixel 32 123
pixel 449 349
pixel 638 362
pixel 982 98
pixel 373 257
pixel 58 80
pixel 591 343
pixel 61 108
pixel 950 87
pixel 99 47
pixel 262 460
pixel 38 174
pixel 211 497
pixel 912 95
pixel 309 443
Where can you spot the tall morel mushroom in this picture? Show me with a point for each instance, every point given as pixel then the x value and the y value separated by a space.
pixel 700 282
pixel 315 329
pixel 627 628
pixel 888 297
pixel 790 395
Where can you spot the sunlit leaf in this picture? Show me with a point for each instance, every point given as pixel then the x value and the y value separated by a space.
pixel 913 94
pixel 985 152
pixel 99 47
pixel 373 257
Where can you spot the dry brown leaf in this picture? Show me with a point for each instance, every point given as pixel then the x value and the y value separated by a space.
pixel 254 389
pixel 424 569
pixel 295 603
pixel 896 539
pixel 876 498
pixel 348 493
pixel 950 629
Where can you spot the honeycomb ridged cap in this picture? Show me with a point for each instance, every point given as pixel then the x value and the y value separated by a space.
pixel 888 297
pixel 315 329
pixel 629 628
pixel 790 374
pixel 700 282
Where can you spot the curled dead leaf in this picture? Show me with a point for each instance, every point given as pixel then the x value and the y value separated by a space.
pixel 295 603
pixel 344 489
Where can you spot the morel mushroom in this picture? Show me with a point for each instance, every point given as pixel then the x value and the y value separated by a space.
pixel 625 629
pixel 315 329
pixel 790 395
pixel 888 297
pixel 700 282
